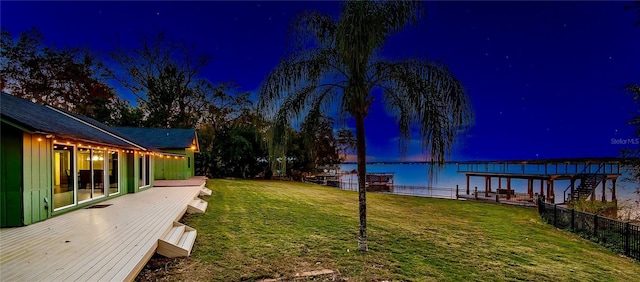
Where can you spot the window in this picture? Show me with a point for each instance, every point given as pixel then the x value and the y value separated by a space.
pixel 143 170
pixel 114 172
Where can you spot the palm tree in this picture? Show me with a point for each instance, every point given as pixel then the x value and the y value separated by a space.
pixel 335 64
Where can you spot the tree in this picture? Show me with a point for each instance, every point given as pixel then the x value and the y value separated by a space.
pixel 635 5
pixel 321 141
pixel 346 143
pixel 123 114
pixel 65 78
pixel 163 75
pixel 237 151
pixel 299 156
pixel 337 63
pixel 228 105
pixel 631 156
pixel 226 125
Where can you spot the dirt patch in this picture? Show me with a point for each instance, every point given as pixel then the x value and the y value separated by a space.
pixel 160 268
pixel 315 275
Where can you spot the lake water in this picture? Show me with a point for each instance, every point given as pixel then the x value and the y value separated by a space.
pixel 445 181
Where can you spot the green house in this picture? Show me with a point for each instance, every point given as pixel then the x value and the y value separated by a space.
pixel 53 161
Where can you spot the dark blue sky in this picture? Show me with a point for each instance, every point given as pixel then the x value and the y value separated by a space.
pixel 545 79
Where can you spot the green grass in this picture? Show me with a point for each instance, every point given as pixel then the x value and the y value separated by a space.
pixel 259 229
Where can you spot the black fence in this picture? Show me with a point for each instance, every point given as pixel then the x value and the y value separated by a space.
pixel 619 236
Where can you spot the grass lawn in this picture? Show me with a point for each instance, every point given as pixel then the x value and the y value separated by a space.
pixel 262 229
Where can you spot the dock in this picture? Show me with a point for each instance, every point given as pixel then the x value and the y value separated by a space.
pixel 584 175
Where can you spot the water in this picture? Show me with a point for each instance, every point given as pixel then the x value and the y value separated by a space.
pixel 444 183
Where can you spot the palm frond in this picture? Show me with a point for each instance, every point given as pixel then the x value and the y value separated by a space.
pixel 311 28
pixel 425 95
pixel 366 25
pixel 306 80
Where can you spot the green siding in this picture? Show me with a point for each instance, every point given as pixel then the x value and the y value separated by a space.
pixel 175 169
pixel 11 208
pixel 124 173
pixel 38 179
pixel 131 174
pixel 151 171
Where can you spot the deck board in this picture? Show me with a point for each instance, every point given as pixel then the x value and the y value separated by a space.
pixel 111 243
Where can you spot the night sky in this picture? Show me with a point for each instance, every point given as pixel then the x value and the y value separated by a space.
pixel 545 79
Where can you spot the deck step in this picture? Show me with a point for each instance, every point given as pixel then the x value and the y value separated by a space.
pixel 204 191
pixel 174 234
pixel 197 205
pixel 177 242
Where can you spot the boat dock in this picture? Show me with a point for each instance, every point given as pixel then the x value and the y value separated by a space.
pixel 585 176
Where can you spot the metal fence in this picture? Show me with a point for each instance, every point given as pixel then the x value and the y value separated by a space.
pixel 622 237
pixel 407 190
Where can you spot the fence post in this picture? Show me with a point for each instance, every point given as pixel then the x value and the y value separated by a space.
pixel 573 219
pixel 627 235
pixel 475 192
pixel 555 215
pixel 456 191
pixel 595 226
pixel 497 198
pixel 539 203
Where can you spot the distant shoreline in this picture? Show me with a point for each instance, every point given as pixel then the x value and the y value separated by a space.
pixel 531 161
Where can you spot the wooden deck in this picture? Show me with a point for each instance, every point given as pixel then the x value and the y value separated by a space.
pixel 193 181
pixel 101 244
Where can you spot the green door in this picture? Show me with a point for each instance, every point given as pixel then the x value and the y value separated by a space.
pixel 11 208
pixel 37 178
pixel 158 168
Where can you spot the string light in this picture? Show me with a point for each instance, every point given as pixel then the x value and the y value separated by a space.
pixel 111 150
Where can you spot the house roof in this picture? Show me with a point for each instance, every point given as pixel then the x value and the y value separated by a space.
pixel 47 120
pixel 161 138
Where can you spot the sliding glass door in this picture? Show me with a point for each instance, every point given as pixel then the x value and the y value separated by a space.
pixel 84 175
pixel 91 180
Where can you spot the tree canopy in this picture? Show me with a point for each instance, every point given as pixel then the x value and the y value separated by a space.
pixel 68 78
pixel 165 77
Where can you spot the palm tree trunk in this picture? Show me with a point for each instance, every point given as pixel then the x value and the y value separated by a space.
pixel 362 171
